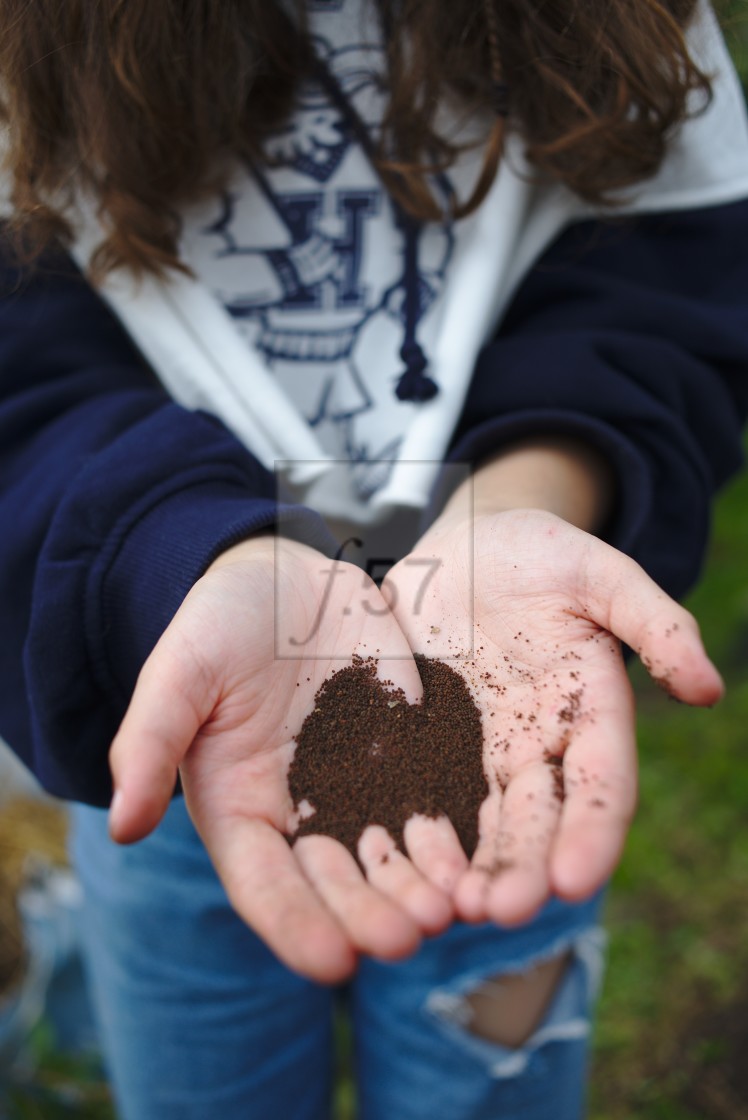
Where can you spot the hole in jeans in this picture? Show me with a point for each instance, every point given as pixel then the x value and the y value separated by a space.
pixel 508 1008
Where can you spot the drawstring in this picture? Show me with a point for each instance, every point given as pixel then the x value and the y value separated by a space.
pixel 500 98
pixel 499 88
pixel 413 384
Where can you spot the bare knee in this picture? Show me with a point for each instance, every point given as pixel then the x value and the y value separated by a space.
pixel 507 1009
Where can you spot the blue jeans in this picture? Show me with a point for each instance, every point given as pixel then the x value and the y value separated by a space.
pixel 200 1021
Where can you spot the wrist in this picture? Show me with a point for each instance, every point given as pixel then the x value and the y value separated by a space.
pixel 265 544
pixel 557 475
pixel 261 543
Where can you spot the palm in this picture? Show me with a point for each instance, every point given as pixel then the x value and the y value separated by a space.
pixel 535 613
pixel 260 700
pixel 276 659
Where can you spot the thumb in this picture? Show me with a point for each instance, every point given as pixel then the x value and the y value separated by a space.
pixel 624 600
pixel 168 707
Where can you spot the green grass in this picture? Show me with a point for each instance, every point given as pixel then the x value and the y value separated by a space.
pixel 734 18
pixel 671 1025
pixel 58 1087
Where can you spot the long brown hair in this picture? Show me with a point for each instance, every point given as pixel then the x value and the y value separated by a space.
pixel 140 102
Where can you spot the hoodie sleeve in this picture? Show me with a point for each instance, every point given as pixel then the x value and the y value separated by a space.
pixel 632 335
pixel 113 501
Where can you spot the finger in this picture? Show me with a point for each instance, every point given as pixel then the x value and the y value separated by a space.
pixel 374 924
pixel 397 668
pixel 530 812
pixel 471 892
pixel 269 891
pixel 434 847
pixel 383 639
pixel 600 777
pixel 394 876
pixel 169 705
pixel 352 614
pixel 625 601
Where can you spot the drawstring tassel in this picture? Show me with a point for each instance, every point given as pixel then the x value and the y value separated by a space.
pixel 413 384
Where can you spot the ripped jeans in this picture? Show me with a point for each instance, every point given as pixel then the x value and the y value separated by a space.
pixel 199 1021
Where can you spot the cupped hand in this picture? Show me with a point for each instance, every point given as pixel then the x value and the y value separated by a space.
pixel 220 700
pixel 531 610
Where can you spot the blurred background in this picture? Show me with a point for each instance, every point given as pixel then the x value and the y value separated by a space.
pixel 671 1040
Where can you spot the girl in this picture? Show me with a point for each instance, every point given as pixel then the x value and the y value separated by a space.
pixel 273 273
